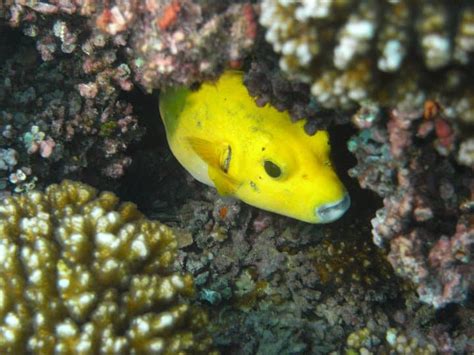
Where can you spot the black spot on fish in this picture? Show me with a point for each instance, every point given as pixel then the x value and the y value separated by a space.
pixel 272 169
pixel 263 149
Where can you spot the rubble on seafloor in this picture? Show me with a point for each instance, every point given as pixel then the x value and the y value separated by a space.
pixel 271 285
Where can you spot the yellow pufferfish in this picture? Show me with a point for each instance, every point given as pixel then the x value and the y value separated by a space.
pixel 256 154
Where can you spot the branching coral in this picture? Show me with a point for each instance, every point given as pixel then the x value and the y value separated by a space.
pixel 80 273
pixel 388 51
pixel 427 220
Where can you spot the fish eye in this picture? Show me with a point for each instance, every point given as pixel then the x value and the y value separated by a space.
pixel 271 169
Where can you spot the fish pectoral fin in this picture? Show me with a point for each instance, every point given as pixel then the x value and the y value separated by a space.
pixel 206 150
pixel 216 155
pixel 224 184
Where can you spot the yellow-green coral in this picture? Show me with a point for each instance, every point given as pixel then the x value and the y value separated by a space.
pixel 366 341
pixel 357 261
pixel 81 273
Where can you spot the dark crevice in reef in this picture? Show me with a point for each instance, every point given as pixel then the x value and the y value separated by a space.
pixel 364 202
pixel 8 38
pixel 155 179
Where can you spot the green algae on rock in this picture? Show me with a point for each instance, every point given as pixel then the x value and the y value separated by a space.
pixel 81 273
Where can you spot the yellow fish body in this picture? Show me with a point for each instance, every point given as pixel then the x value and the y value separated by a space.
pixel 256 154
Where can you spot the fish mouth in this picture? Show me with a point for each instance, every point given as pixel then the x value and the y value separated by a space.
pixel 331 211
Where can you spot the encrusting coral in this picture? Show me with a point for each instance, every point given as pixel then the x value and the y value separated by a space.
pixel 391 341
pixel 166 42
pixel 62 116
pixel 386 51
pixel 80 273
pixel 427 223
pixel 183 41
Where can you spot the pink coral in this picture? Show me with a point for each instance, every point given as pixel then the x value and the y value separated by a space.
pixel 424 223
pixel 46 147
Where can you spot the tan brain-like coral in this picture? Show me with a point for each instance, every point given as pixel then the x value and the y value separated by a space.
pixel 81 273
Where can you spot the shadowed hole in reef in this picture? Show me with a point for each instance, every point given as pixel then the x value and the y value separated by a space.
pixel 364 202
pixel 155 181
pixel 9 39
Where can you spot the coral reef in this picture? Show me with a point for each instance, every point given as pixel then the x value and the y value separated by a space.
pixel 79 273
pixel 409 158
pixel 272 279
pixel 183 41
pixel 167 42
pixel 365 341
pixel 269 85
pixel 267 278
pixel 82 274
pixel 62 116
pixel 387 51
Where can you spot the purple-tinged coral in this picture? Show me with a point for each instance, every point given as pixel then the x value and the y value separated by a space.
pixel 182 41
pixel 167 42
pixel 426 222
pixel 63 115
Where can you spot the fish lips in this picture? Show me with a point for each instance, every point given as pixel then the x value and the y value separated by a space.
pixel 332 211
